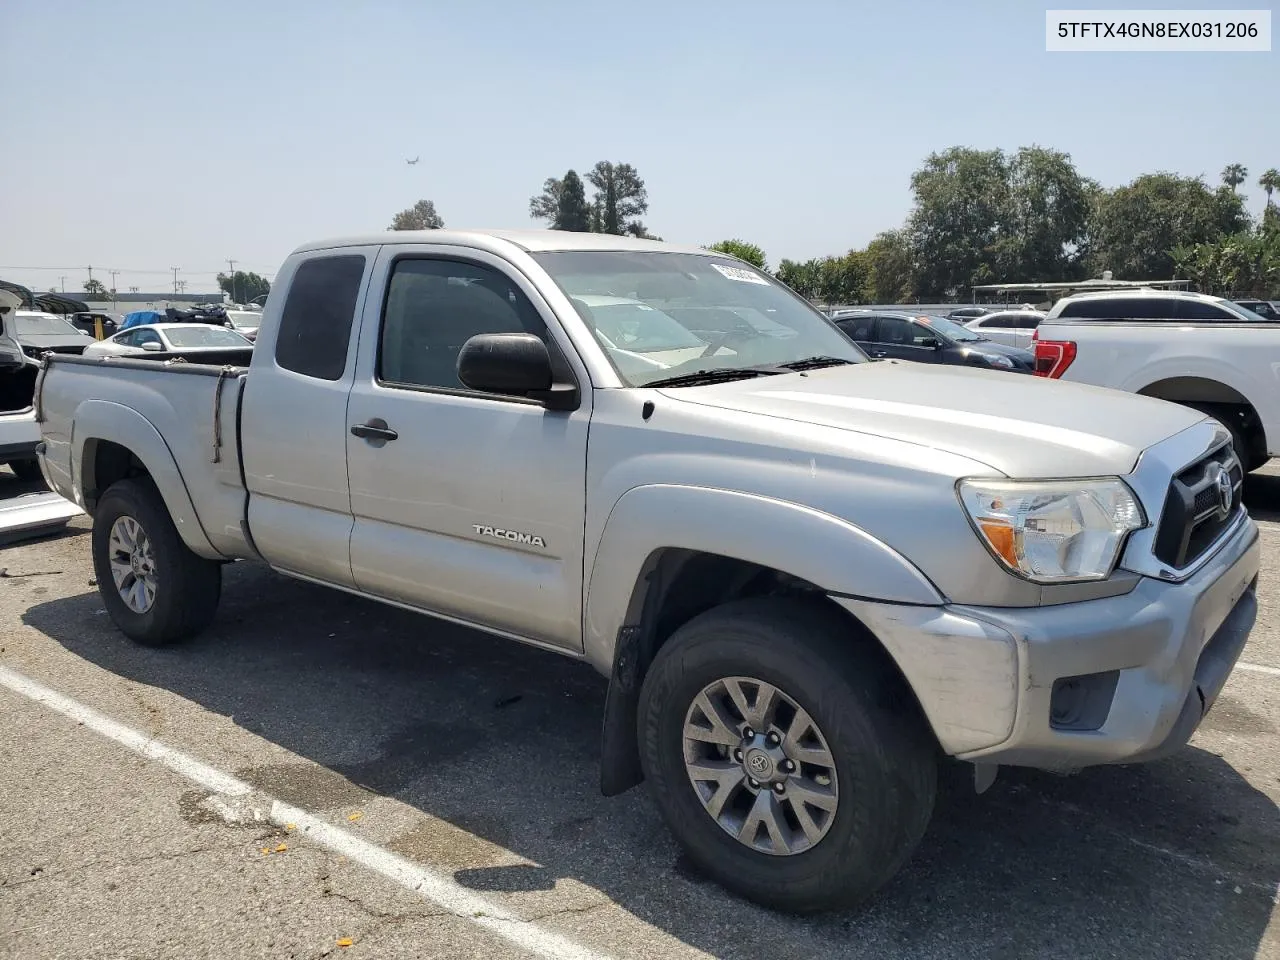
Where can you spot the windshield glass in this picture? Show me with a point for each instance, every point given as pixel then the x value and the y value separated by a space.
pixel 952 330
pixel 43 325
pixel 187 337
pixel 659 315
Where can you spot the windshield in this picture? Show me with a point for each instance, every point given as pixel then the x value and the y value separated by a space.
pixel 952 330
pixel 187 337
pixel 43 325
pixel 659 315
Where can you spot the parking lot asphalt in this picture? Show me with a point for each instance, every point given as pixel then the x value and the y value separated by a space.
pixel 445 785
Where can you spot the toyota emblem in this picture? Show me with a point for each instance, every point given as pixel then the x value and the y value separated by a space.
pixel 1222 482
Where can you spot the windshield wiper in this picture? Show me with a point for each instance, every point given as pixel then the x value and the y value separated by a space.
pixel 717 375
pixel 814 363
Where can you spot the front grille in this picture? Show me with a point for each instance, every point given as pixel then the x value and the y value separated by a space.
pixel 1195 513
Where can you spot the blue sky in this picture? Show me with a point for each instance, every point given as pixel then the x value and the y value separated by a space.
pixel 145 135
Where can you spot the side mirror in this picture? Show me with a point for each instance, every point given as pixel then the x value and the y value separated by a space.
pixel 153 346
pixel 514 364
pixel 933 343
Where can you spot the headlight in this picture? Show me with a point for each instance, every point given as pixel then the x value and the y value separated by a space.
pixel 1053 531
pixel 995 360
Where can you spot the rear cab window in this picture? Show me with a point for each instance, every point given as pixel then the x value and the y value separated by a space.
pixel 314 337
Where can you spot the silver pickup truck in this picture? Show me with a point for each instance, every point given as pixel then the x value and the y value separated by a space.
pixel 807 576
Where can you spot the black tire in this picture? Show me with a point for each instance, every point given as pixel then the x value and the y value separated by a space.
pixel 27 470
pixel 869 718
pixel 187 586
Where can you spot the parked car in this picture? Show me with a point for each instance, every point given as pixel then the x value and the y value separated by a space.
pixel 1205 352
pixel 90 322
pixel 38 332
pixel 807 576
pixel 965 314
pixel 19 432
pixel 1013 328
pixel 182 339
pixel 245 322
pixel 1263 308
pixel 926 339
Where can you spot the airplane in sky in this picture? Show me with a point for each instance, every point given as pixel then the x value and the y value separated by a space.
pixel 413 161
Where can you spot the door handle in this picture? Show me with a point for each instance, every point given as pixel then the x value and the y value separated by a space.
pixel 877 353
pixel 375 429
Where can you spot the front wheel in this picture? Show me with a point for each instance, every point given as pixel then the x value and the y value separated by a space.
pixel 154 588
pixel 785 754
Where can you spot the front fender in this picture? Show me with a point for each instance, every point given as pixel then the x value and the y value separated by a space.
pixel 826 550
pixel 103 420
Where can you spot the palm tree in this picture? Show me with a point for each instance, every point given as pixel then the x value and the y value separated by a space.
pixel 1234 174
pixel 1270 180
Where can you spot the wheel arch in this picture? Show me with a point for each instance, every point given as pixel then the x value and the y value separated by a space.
pixel 670 580
pixel 113 442
pixel 1200 392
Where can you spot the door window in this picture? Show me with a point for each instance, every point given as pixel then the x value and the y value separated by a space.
pixel 433 307
pixel 903 333
pixel 858 328
pixel 146 336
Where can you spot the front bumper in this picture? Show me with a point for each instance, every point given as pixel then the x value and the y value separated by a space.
pixel 1119 679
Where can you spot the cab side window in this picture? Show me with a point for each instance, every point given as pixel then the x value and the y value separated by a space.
pixel 315 328
pixel 900 332
pixel 146 336
pixel 433 307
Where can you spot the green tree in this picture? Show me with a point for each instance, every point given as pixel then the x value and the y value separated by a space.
pixel 572 212
pixel 620 199
pixel 1136 227
pixel 804 278
pixel 546 205
pixel 1044 224
pixel 890 268
pixel 1240 265
pixel 243 287
pixel 961 196
pixel 421 216
pixel 96 290
pixel 1269 181
pixel 1234 174
pixel 743 251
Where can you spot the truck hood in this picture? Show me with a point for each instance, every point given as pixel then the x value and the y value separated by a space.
pixel 1019 425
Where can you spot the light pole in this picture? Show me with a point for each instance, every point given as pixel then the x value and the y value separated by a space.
pixel 231 266
pixel 115 300
pixel 175 278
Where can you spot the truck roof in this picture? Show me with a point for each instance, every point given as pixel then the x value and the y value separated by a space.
pixel 528 240
pixel 1146 293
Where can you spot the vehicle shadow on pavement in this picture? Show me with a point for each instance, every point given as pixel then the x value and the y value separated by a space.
pixel 1262 493
pixel 1178 858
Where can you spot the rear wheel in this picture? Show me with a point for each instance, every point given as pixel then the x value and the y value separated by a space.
pixel 787 758
pixel 154 588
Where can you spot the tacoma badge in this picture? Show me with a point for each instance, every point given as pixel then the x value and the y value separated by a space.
pixel 512 535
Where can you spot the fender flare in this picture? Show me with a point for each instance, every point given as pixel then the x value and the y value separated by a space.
pixel 831 553
pixel 105 420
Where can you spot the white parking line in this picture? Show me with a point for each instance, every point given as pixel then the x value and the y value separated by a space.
pixel 1258 668
pixel 438 888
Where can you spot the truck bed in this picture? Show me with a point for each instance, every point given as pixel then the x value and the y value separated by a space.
pixel 185 412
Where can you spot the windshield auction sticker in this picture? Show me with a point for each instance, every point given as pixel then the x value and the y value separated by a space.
pixel 741 275
pixel 1169 31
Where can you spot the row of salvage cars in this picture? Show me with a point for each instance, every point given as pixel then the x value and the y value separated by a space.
pixel 27 507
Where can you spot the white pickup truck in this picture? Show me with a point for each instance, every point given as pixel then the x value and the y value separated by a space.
pixel 805 578
pixel 1204 352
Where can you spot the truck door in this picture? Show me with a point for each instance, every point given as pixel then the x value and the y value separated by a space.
pixel 466 504
pixel 294 416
